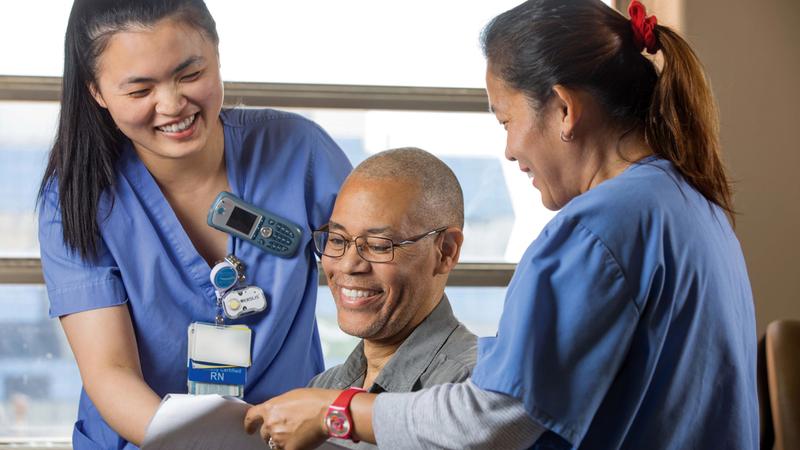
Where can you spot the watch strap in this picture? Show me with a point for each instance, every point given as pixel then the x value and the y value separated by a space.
pixel 344 399
pixel 339 411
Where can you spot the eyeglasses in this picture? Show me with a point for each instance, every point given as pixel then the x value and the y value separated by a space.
pixel 374 249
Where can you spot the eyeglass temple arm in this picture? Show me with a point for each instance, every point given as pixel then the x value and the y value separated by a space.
pixel 414 239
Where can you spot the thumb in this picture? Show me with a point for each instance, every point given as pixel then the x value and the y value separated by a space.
pixel 253 420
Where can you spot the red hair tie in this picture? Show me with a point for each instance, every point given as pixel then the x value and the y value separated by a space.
pixel 643 28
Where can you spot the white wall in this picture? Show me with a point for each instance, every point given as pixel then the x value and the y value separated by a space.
pixel 751 50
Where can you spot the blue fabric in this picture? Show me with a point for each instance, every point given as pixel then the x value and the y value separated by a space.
pixel 629 322
pixel 276 160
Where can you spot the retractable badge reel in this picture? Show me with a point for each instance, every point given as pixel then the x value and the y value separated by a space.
pixel 235 302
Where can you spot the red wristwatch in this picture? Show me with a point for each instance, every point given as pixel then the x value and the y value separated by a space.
pixel 338 418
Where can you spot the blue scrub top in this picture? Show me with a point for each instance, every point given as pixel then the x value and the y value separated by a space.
pixel 279 161
pixel 629 322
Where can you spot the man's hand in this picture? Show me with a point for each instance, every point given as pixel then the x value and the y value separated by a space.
pixel 294 420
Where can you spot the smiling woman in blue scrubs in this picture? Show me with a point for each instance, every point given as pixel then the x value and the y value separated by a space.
pixel 629 321
pixel 143 148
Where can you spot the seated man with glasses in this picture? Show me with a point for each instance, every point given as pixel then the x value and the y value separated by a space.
pixel 393 237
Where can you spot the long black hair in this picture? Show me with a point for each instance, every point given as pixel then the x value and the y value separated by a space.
pixel 87 145
pixel 586 44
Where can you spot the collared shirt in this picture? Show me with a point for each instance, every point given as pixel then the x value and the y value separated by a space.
pixel 279 161
pixel 440 350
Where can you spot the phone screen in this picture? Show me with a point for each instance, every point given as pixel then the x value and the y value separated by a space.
pixel 241 220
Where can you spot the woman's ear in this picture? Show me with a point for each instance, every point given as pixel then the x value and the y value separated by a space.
pixel 570 109
pixel 449 250
pixel 98 97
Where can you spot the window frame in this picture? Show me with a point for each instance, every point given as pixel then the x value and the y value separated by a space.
pixel 287 95
pixel 290 95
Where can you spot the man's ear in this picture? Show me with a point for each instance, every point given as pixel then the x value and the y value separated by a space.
pixel 449 250
pixel 98 97
pixel 570 109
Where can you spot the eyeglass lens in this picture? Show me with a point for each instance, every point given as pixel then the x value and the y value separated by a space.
pixel 371 248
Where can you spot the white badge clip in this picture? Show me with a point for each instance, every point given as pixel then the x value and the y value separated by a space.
pixel 243 302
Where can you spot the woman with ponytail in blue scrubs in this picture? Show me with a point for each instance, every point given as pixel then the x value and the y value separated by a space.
pixel 143 148
pixel 629 322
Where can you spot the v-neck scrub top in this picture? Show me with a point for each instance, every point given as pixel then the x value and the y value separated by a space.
pixel 278 161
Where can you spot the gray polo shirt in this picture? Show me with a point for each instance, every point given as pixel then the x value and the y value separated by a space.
pixel 440 350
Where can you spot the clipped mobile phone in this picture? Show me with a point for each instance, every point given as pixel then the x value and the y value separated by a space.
pixel 265 230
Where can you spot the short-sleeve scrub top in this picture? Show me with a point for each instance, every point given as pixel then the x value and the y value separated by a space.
pixel 629 322
pixel 279 161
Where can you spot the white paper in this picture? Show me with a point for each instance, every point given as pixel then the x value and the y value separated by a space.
pixel 200 422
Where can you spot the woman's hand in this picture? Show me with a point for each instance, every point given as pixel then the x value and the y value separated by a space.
pixel 294 420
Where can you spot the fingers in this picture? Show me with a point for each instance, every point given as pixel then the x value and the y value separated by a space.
pixel 256 419
pixel 253 419
pixel 265 434
pixel 290 421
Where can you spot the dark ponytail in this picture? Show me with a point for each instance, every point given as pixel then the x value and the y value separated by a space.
pixel 683 123
pixel 83 159
pixel 586 44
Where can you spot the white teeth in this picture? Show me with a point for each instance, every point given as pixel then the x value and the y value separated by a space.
pixel 357 293
pixel 530 174
pixel 180 126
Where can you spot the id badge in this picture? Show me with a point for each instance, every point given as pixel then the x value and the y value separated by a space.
pixel 218 358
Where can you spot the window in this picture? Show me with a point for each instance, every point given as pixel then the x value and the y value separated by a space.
pixel 412 70
pixel 39 381
pixel 26 134
pixel 359 42
pixel 502 213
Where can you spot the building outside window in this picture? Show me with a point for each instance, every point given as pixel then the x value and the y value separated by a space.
pixel 365 44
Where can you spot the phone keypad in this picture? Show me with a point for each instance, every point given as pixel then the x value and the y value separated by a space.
pixel 285 230
pixel 275 236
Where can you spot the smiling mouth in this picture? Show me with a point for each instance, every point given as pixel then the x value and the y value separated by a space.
pixel 183 125
pixel 356 294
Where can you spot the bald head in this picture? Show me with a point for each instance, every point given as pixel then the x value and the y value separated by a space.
pixel 441 201
pixel 411 198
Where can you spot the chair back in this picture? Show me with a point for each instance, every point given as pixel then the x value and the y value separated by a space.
pixel 783 375
pixel 767 441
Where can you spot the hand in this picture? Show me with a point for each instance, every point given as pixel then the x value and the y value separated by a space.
pixel 294 420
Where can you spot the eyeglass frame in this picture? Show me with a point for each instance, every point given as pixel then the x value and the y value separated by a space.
pixel 352 241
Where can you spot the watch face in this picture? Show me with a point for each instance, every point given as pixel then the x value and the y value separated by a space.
pixel 338 425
